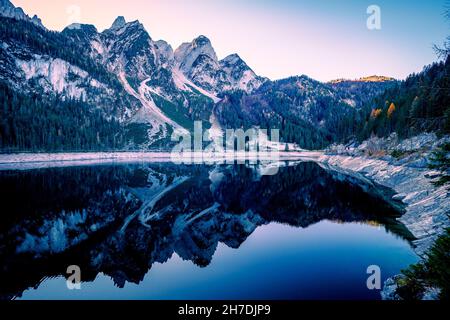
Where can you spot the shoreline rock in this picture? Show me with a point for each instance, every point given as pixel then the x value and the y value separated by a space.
pixel 427 207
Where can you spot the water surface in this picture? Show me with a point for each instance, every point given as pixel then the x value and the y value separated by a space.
pixel 166 231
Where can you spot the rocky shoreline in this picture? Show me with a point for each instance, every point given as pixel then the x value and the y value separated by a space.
pixel 427 206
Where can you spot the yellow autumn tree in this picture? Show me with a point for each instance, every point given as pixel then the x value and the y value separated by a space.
pixel 391 110
pixel 375 113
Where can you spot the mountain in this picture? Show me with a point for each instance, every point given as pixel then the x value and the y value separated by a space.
pixel 175 88
pixel 7 9
pixel 198 62
pixel 133 92
pixel 308 112
pixel 49 71
pixel 122 73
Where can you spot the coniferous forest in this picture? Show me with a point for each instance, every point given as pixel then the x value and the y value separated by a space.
pixel 33 124
pixel 421 103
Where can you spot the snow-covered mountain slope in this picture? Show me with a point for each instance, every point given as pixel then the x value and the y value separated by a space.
pixel 187 54
pixel 42 67
pixel 373 79
pixel 199 63
pixel 59 76
pixel 147 69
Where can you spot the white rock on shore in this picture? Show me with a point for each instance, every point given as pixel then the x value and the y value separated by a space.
pixel 427 206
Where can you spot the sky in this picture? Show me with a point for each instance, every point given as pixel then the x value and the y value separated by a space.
pixel 324 39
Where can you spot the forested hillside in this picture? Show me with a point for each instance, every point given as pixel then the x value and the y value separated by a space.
pixel 307 112
pixel 35 124
pixel 421 103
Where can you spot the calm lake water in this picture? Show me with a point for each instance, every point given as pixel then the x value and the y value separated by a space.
pixel 166 231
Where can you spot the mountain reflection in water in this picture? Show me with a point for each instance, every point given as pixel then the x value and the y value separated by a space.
pixel 118 221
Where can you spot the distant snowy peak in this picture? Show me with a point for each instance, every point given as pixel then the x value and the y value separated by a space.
pixel 7 9
pixel 198 61
pixel 187 54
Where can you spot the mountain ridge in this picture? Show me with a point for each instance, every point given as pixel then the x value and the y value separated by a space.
pixel 373 78
pixel 153 90
pixel 7 9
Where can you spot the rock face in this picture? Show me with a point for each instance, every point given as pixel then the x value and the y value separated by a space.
pixel 198 61
pixel 188 54
pixel 240 75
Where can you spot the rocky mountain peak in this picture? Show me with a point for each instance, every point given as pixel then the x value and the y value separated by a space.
pixel 240 75
pixel 118 23
pixel 81 33
pixel 187 54
pixel 233 62
pixel 7 9
pixel 36 20
pixel 165 50
pixel 232 58
pixel 121 27
pixel 201 41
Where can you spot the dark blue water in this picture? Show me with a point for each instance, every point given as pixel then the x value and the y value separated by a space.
pixel 163 231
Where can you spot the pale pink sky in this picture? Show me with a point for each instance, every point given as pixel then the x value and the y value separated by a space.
pixel 276 38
